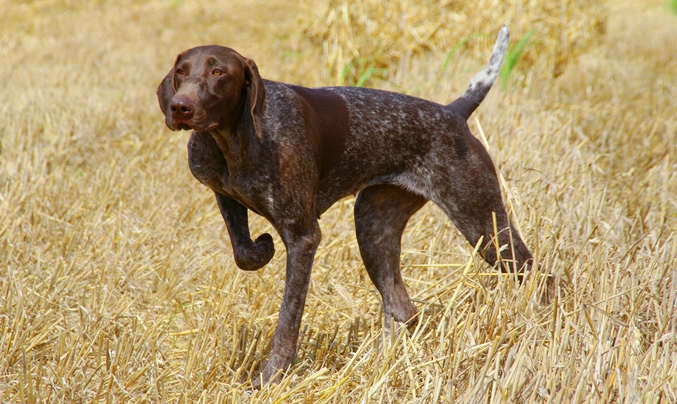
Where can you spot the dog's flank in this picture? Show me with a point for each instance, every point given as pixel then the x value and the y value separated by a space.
pixel 480 85
pixel 288 153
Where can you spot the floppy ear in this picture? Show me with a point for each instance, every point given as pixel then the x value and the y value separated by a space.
pixel 256 95
pixel 167 88
pixel 165 91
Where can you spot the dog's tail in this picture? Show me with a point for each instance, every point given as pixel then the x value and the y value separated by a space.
pixel 480 85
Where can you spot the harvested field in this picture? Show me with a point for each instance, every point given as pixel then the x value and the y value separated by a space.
pixel 117 281
pixel 381 33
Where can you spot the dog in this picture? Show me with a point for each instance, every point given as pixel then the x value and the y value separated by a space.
pixel 288 153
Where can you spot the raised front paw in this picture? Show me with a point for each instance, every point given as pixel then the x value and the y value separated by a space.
pixel 255 255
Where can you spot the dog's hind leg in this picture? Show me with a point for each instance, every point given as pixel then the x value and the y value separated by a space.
pixel 471 198
pixel 381 214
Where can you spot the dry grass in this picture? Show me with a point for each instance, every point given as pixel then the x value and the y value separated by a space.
pixel 363 34
pixel 117 281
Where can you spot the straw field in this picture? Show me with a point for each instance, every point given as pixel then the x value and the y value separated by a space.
pixel 117 281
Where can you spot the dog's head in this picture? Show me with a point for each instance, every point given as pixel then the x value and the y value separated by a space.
pixel 211 87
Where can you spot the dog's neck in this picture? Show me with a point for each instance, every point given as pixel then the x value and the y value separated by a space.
pixel 236 137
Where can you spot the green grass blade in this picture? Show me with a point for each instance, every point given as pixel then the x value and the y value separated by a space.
pixel 513 56
pixel 455 48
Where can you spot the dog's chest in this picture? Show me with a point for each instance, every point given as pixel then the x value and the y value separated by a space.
pixel 246 184
pixel 245 188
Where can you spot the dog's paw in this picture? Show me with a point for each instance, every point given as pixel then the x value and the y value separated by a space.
pixel 265 246
pixel 550 290
pixel 272 372
pixel 257 254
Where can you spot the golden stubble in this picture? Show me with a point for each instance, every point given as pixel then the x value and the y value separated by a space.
pixel 117 281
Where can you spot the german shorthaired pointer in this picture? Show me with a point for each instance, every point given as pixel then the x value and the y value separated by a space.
pixel 288 153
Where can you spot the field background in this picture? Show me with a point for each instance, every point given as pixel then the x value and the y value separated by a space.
pixel 117 282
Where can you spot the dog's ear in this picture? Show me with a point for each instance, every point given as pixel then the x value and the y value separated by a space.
pixel 167 89
pixel 256 95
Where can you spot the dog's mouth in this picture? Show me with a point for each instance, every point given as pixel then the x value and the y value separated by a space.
pixel 189 125
pixel 199 128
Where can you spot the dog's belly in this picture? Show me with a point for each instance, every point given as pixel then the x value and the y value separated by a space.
pixel 356 177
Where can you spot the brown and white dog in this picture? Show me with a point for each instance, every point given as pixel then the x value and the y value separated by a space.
pixel 288 153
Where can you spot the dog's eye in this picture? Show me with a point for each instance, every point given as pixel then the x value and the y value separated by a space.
pixel 217 72
pixel 180 72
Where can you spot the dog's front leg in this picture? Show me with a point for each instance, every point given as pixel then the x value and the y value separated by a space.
pixel 301 244
pixel 249 255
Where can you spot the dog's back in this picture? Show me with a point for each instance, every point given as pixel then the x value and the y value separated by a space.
pixel 400 133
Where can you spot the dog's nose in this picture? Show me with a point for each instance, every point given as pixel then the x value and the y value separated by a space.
pixel 181 107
